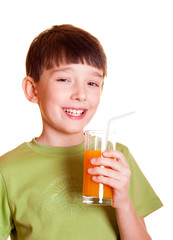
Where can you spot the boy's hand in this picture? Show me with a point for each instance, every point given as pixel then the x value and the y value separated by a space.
pixel 117 176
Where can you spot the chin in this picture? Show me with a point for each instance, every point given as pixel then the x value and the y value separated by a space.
pixel 75 131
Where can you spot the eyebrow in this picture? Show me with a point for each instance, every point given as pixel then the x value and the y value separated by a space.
pixel 63 69
pixel 97 74
pixel 68 69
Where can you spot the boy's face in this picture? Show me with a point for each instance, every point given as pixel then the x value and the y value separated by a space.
pixel 68 97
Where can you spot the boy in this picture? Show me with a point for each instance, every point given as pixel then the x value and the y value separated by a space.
pixel 41 180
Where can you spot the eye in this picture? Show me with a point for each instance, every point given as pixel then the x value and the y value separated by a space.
pixel 93 84
pixel 62 80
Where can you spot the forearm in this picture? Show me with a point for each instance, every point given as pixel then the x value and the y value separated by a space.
pixel 130 226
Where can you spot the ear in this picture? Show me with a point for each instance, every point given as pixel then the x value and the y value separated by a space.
pixel 30 90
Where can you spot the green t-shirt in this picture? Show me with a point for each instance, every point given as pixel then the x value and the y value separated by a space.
pixel 41 195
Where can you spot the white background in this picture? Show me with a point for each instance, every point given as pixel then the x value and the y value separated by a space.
pixel 138 39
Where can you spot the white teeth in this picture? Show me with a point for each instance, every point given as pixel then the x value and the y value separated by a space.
pixel 74 112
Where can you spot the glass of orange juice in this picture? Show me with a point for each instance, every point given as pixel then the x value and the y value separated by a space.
pixel 94 145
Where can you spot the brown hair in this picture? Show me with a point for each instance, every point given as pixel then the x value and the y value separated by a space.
pixel 64 44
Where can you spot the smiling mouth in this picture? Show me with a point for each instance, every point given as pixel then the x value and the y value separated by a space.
pixel 74 112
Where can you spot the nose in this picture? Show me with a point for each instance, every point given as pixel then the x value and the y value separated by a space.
pixel 79 93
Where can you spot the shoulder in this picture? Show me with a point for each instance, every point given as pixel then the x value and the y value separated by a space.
pixel 127 154
pixel 13 155
pixel 122 148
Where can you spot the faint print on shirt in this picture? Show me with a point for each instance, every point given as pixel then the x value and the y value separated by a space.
pixel 64 193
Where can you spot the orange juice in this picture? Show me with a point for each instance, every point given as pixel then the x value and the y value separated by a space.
pixel 91 188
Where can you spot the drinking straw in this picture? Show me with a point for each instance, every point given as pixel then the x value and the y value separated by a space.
pixel 108 127
pixel 104 145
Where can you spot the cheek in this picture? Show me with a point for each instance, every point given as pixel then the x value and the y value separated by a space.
pixel 94 101
pixel 53 96
pixel 47 99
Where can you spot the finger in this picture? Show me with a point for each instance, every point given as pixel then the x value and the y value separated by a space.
pixel 116 154
pixel 114 183
pixel 107 162
pixel 105 172
pixel 109 172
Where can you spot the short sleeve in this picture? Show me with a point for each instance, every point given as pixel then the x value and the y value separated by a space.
pixel 5 214
pixel 143 197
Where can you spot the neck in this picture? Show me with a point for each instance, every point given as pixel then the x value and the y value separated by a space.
pixel 60 139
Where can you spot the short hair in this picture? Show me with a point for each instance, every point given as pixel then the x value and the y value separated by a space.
pixel 64 44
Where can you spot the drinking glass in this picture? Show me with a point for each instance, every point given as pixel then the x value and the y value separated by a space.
pixel 94 145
